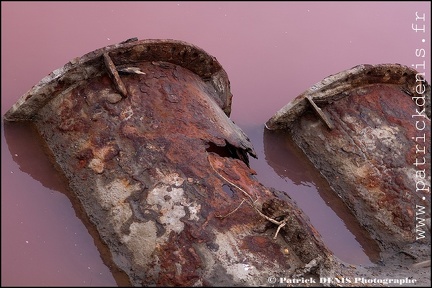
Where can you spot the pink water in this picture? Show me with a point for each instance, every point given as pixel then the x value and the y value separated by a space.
pixel 271 51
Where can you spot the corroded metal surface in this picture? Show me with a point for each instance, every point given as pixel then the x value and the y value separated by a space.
pixel 141 132
pixel 337 86
pixel 376 156
pixel 124 54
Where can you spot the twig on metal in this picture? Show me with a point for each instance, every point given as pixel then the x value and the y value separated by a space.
pixel 320 113
pixel 252 203
pixel 223 216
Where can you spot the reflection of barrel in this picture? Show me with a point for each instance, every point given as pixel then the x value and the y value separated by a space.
pixel 29 154
pixel 141 132
pixel 365 129
pixel 289 162
pixel 282 154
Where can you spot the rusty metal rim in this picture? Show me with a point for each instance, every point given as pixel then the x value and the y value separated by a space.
pixel 337 86
pixel 127 52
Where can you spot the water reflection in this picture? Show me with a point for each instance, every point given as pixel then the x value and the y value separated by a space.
pixel 26 149
pixel 25 146
pixel 303 183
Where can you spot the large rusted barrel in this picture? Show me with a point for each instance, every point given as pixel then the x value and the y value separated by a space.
pixel 367 130
pixel 141 131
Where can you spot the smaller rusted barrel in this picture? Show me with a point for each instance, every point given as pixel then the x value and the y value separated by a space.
pixel 367 130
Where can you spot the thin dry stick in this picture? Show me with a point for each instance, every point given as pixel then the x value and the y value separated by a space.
pixel 220 216
pixel 426 263
pixel 279 223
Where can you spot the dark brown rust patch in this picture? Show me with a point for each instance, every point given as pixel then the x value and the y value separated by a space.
pixel 267 248
pixel 180 263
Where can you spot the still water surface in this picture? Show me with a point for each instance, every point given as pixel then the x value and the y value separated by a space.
pixel 271 51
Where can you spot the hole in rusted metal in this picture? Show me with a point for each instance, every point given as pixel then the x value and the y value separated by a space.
pixel 228 151
pixel 220 150
pixel 228 190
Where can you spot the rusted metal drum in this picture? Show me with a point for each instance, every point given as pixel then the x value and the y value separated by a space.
pixel 367 130
pixel 141 131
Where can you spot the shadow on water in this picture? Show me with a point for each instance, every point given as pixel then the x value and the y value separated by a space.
pixel 299 179
pixel 36 160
